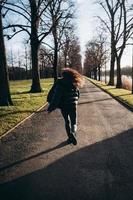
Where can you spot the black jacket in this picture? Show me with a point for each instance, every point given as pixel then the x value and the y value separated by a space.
pixel 65 95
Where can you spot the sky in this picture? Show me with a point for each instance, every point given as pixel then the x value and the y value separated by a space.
pixel 86 20
pixel 87 25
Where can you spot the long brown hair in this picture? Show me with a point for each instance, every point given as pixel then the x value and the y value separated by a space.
pixel 74 76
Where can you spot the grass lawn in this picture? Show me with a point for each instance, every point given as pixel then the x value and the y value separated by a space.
pixel 24 103
pixel 122 94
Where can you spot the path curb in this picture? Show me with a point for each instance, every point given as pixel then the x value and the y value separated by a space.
pixel 21 122
pixel 129 107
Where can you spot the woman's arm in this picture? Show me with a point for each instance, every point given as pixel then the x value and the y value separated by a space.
pixel 55 98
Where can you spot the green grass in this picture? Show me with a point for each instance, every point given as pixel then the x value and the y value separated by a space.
pixel 122 94
pixel 24 103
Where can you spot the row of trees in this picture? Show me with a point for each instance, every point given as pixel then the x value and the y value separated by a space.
pixel 95 57
pixel 118 24
pixel 38 19
pixel 19 64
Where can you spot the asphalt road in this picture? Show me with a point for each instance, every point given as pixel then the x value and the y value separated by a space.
pixel 37 164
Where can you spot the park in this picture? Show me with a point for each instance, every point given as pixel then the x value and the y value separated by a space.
pixel 36 161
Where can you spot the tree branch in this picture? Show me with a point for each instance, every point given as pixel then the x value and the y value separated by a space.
pixel 101 4
pixel 11 36
pixel 119 26
pixel 105 23
pixel 16 12
pixel 44 34
pixel 48 45
pixel 19 26
pixel 19 7
pixel 16 25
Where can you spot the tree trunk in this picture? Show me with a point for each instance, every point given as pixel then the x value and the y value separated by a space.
pixel 5 97
pixel 26 71
pixel 55 64
pixel 26 63
pixel 99 73
pixel 65 60
pixel 111 73
pixel 105 74
pixel 90 74
pixel 119 81
pixel 95 73
pixel 35 87
pixel 112 62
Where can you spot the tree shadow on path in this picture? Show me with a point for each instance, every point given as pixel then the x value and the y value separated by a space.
pixel 99 100
pixel 62 144
pixel 101 171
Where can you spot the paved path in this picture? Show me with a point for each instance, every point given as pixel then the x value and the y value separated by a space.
pixel 37 164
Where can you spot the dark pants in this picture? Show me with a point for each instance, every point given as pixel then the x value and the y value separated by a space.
pixel 70 116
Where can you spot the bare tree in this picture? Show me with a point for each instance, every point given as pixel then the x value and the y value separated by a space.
pixel 90 62
pixel 60 13
pixel 46 62
pixel 124 31
pixel 73 54
pixel 68 37
pixel 110 8
pixel 26 60
pixel 65 47
pixel 33 24
pixel 119 25
pixel 95 57
pixel 5 97
pixel 11 62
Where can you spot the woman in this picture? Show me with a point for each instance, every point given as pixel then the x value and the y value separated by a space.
pixel 65 97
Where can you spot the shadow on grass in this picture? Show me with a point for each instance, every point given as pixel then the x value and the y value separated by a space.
pixel 28 92
pixel 101 171
pixel 23 111
pixel 111 88
pixel 16 112
pixel 122 95
pixel 24 92
pixel 117 89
